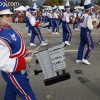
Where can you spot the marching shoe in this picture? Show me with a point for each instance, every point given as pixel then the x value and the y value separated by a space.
pixel 85 62
pixel 49 30
pixel 32 44
pixel 43 43
pixel 53 33
pixel 66 42
pixel 78 61
pixel 57 33
pixel 75 29
pixel 29 33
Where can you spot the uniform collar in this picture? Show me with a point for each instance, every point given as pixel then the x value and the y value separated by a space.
pixel 5 27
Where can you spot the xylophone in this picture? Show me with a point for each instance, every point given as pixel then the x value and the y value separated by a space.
pixel 53 65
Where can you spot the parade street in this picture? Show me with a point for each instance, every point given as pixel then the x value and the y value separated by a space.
pixel 84 83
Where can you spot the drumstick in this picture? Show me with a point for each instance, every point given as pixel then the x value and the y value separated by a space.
pixel 37 48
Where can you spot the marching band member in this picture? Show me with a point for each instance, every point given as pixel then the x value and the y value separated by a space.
pixel 13 59
pixel 43 16
pixel 50 19
pixel 85 35
pixel 67 34
pixel 28 15
pixel 59 17
pixel 35 29
pixel 55 27
pixel 75 24
pixel 46 15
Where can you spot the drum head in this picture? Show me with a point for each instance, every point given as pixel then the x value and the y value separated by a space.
pixel 96 20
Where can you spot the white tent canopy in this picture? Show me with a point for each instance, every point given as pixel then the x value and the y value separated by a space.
pixel 61 7
pixel 78 7
pixel 21 8
pixel 46 6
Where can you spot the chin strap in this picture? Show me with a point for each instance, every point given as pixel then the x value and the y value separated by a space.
pixel 7 23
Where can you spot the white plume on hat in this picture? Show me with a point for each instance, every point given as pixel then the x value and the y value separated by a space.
pixel 67 5
pixel 55 7
pixel 35 6
pixel 27 7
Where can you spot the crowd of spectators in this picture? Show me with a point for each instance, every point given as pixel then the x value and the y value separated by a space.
pixel 19 17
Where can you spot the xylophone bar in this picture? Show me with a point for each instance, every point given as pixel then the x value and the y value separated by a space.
pixel 57 79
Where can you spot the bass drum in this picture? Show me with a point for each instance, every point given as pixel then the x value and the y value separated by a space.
pixel 95 21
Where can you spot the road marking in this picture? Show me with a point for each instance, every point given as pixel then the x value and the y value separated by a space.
pixel 71 50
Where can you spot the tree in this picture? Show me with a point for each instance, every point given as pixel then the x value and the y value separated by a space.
pixel 82 3
pixel 72 4
pixel 53 2
pixel 76 4
pixel 60 2
pixel 97 2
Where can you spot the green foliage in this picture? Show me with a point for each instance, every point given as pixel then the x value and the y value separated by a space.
pixel 54 2
pixel 76 4
pixel 61 2
pixel 72 4
pixel 82 3
pixel 98 2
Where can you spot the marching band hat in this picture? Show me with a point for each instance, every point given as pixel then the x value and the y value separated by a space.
pixel 67 6
pixel 88 4
pixel 31 9
pixel 4 8
pixel 55 8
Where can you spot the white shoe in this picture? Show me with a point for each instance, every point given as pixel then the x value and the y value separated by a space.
pixel 49 30
pixel 78 61
pixel 32 44
pixel 43 43
pixel 57 33
pixel 66 42
pixel 85 62
pixel 29 33
pixel 53 33
pixel 75 29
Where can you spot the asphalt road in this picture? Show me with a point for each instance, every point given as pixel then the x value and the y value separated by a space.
pixel 85 79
